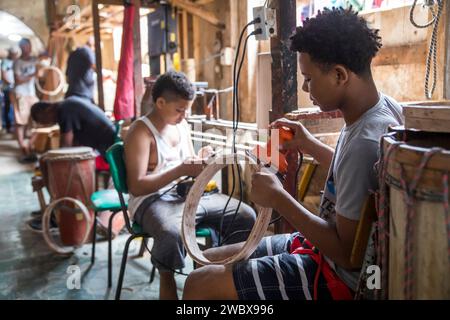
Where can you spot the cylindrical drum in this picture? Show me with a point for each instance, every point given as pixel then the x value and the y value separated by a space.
pixel 71 173
pixel 416 175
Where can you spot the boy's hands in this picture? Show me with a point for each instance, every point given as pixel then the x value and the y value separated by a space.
pixel 205 152
pixel 302 137
pixel 265 189
pixel 192 166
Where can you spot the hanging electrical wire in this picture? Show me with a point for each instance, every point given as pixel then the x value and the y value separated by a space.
pixel 432 52
pixel 236 116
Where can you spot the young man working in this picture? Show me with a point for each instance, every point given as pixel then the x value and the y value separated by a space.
pixel 335 51
pixel 81 122
pixel 158 152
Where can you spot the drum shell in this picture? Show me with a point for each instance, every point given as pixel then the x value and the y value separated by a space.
pixel 75 178
pixel 431 276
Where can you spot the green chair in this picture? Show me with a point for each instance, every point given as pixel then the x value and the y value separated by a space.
pixel 107 200
pixel 105 174
pixel 114 156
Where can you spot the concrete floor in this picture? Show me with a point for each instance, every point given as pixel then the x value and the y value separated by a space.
pixel 30 270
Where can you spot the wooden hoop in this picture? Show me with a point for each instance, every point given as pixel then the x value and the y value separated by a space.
pixel 46 223
pixel 193 198
pixel 60 84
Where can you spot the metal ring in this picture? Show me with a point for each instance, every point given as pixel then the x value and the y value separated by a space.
pixel 60 84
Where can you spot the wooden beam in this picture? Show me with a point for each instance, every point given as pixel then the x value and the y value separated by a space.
pixel 203 2
pixel 137 63
pixel 98 53
pixel 284 61
pixel 199 12
pixel 184 35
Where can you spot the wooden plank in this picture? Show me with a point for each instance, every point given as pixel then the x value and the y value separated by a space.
pixel 137 63
pixel 408 54
pixel 98 53
pixel 428 112
pixel 433 125
pixel 199 12
pixel 203 2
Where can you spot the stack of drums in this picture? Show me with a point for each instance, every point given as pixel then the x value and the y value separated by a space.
pixel 71 173
pixel 416 175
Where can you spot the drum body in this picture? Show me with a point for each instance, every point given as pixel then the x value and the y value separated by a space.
pixel 417 183
pixel 71 173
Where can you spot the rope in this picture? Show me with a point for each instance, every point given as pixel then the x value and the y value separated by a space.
pixel 447 211
pixel 432 53
pixel 408 193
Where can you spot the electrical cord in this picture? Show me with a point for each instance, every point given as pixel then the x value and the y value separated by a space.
pixel 236 114
pixel 236 124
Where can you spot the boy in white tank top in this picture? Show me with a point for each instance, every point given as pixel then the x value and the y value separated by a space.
pixel 158 148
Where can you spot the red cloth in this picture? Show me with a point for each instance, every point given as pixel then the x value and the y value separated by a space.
pixel 124 100
pixel 338 289
pixel 101 164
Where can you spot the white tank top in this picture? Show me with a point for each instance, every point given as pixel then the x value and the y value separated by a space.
pixel 168 157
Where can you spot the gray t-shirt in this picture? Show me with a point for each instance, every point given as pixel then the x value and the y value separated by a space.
pixel 352 174
pixel 25 68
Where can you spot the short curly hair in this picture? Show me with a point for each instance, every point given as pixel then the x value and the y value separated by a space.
pixel 338 36
pixel 173 85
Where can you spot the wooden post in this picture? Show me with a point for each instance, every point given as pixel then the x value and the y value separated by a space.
pixel 284 61
pixel 98 54
pixel 284 85
pixel 137 63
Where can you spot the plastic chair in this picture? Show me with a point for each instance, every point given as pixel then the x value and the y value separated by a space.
pixel 115 158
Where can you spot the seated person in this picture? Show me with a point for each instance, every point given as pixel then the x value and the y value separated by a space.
pixel 81 122
pixel 336 49
pixel 158 152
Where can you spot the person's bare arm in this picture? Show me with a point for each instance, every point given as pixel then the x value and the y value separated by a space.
pixel 18 79
pixel 137 154
pixel 66 139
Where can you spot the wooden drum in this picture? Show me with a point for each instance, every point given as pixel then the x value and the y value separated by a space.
pixel 415 174
pixel 71 173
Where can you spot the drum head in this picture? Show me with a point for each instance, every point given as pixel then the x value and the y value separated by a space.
pixel 70 153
